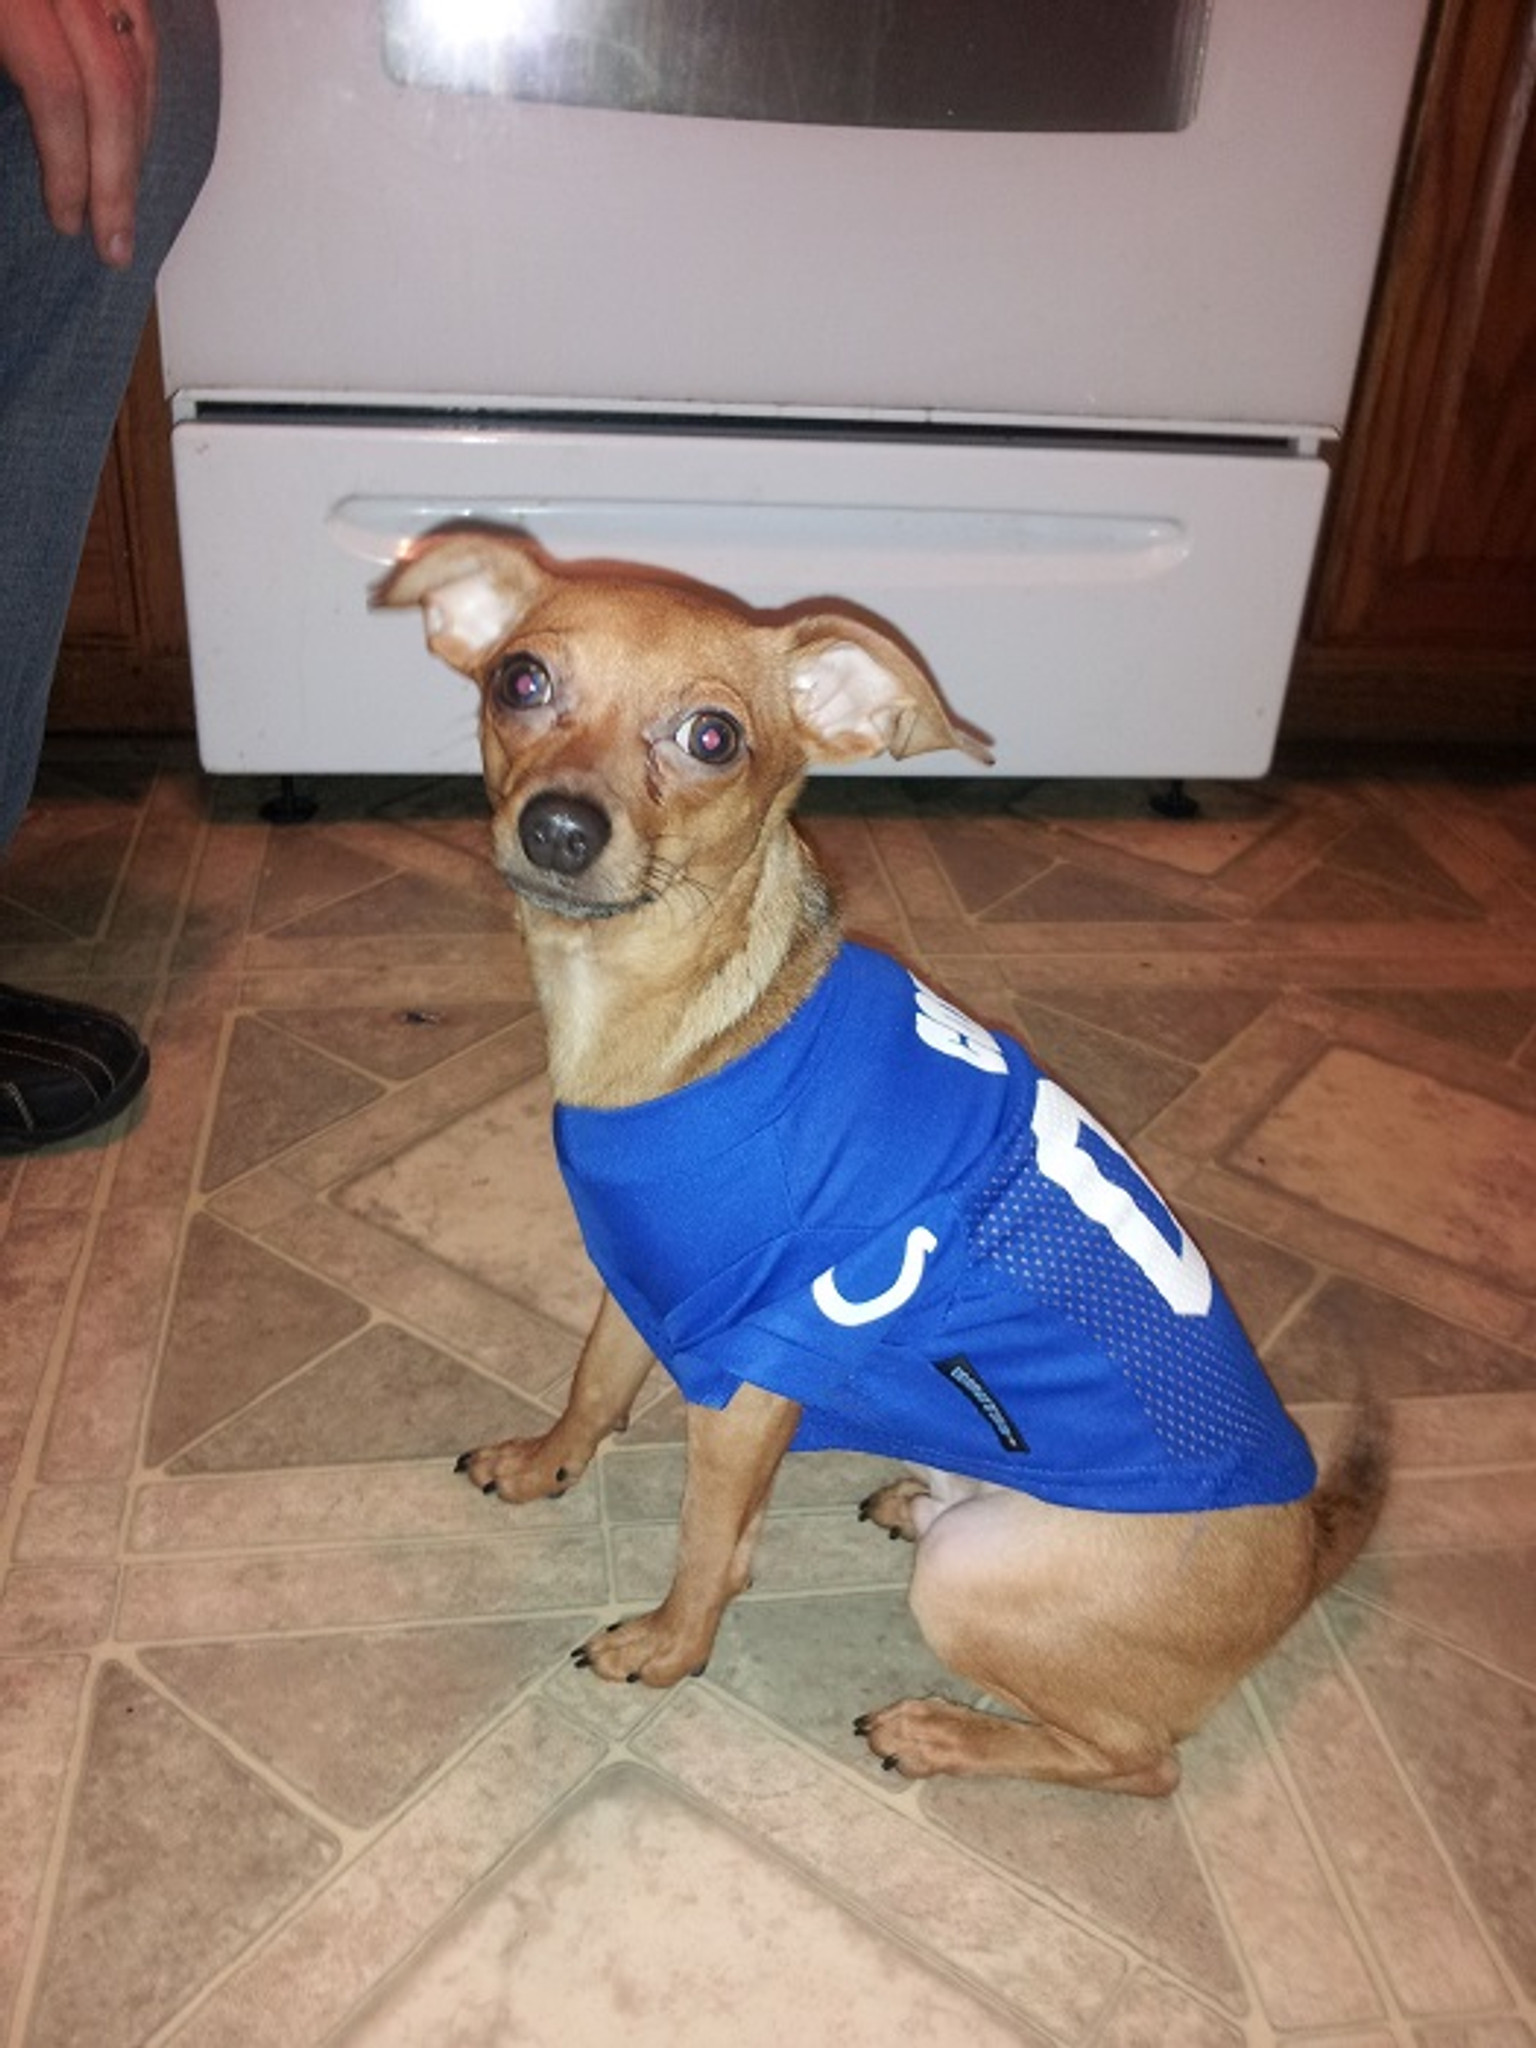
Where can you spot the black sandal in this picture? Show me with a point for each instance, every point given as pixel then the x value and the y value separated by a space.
pixel 65 1068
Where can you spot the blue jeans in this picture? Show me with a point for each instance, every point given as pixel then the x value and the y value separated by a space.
pixel 69 330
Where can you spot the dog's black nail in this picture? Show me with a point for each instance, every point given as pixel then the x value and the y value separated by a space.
pixel 863 1510
pixel 861 1726
pixel 613 1628
pixel 489 1486
pixel 890 1763
pixel 561 1475
pixel 558 1494
pixel 581 1658
pixel 461 1463
pixel 698 1670
pixel 633 1678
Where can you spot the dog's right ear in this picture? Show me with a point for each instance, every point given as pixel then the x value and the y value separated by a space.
pixel 473 585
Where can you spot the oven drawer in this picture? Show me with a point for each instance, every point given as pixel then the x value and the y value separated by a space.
pixel 1097 610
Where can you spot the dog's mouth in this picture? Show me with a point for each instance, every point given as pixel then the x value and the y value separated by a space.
pixel 562 900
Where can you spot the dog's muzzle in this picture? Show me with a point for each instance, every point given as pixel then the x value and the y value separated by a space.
pixel 562 834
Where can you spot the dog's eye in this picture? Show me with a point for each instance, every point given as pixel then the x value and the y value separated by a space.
pixel 712 736
pixel 519 682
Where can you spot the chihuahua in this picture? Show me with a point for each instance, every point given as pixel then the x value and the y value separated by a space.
pixel 844 1214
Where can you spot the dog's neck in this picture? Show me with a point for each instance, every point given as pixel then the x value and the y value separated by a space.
pixel 638 1005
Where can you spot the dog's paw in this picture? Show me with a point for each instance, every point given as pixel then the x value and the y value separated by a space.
pixel 522 1469
pixel 891 1508
pixel 933 1738
pixel 647 1650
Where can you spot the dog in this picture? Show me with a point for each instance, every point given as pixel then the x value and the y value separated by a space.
pixel 846 1215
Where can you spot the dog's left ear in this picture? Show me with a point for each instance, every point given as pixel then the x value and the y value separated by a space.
pixel 856 692
pixel 472 583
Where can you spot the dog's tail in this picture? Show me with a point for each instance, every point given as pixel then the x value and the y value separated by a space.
pixel 1350 1492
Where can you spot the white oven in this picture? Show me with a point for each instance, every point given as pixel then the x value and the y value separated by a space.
pixel 1022 322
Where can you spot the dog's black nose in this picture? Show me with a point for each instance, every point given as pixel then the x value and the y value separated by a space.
pixel 562 834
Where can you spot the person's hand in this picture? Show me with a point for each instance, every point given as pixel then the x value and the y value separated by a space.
pixel 85 70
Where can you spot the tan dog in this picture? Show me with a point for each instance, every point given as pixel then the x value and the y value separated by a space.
pixel 644 739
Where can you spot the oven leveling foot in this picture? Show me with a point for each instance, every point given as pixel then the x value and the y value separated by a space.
pixel 1174 801
pixel 291 805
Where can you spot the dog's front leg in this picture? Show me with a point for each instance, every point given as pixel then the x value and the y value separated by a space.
pixel 612 1369
pixel 733 1454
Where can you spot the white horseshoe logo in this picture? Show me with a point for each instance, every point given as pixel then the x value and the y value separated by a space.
pixel 850 1314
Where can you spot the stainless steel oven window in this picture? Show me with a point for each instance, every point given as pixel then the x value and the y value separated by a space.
pixel 996 66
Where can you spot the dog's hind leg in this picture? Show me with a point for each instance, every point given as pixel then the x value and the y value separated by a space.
pixel 932 1738
pixel 1112 1636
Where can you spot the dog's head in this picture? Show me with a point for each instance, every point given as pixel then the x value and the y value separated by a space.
pixel 638 729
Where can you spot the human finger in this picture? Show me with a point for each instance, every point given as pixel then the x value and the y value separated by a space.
pixel 115 50
pixel 36 56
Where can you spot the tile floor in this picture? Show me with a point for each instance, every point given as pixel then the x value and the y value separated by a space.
pixel 292 1751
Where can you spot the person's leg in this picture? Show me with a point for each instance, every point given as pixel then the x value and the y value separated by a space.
pixel 69 330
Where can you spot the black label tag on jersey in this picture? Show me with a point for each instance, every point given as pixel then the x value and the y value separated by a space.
pixel 962 1374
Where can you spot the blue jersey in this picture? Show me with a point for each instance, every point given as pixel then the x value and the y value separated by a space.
pixel 891 1216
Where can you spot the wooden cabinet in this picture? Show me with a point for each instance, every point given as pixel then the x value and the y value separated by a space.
pixel 1422 625
pixel 1423 622
pixel 123 666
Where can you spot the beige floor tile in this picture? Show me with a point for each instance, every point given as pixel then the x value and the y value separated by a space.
pixel 1124 1865
pixel 1429 1511
pixel 1153 2013
pixel 358 1722
pixel 381 1395
pixel 40 1254
pixel 445 1195
pixel 1347 1328
pixel 276 1091
pixel 686 1936
pixel 1466 1737
pixel 242 1320
pixel 74 1524
pixel 1403 1891
pixel 1441 1170
pixel 1264 1867
pixel 287 1509
pixel 360 1586
pixel 476 1322
pixel 1482 1601
pixel 797 1554
pixel 329 1957
pixel 53 1607
pixel 39 1701
pixel 108 1370
pixel 177 1857
pixel 870 1850
pixel 396 1043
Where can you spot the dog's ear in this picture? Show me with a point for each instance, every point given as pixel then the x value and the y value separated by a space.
pixel 472 583
pixel 855 692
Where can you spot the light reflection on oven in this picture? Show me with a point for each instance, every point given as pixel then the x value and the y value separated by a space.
pixel 1000 66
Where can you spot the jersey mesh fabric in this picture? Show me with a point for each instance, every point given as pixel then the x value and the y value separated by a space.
pixel 1180 1367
